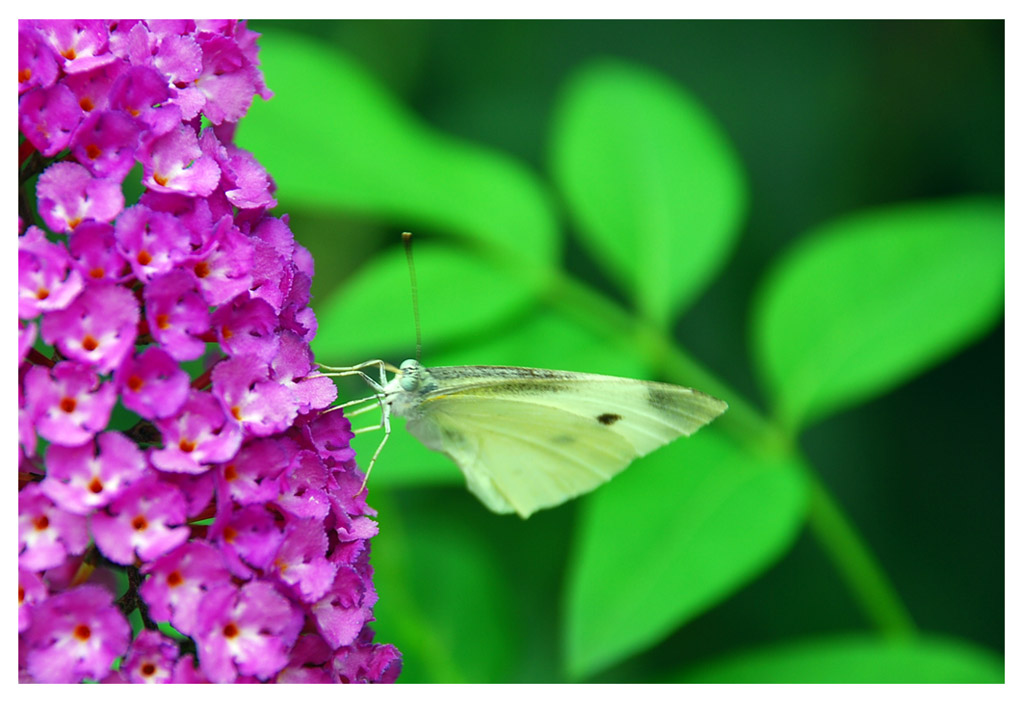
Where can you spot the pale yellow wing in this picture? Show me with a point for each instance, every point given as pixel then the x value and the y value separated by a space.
pixel 536 445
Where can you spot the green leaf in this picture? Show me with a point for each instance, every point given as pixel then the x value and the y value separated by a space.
pixel 670 537
pixel 544 337
pixel 856 659
pixel 336 140
pixel 371 314
pixel 863 304
pixel 444 599
pixel 651 181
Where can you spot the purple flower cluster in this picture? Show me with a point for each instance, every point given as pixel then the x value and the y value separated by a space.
pixel 216 502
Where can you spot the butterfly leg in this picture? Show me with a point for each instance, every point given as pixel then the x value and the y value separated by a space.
pixel 378 397
pixel 357 370
pixel 385 421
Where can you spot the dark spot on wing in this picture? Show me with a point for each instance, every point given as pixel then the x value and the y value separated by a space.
pixel 662 397
pixel 608 419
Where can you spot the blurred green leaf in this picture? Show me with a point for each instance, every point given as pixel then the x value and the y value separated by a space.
pixel 337 141
pixel 443 596
pixel 371 314
pixel 856 659
pixel 334 138
pixel 669 538
pixel 539 338
pixel 864 303
pixel 544 337
pixel 652 182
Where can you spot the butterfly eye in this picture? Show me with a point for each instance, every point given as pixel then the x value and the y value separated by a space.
pixel 411 375
pixel 409 382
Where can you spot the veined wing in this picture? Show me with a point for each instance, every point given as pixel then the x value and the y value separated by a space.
pixel 529 439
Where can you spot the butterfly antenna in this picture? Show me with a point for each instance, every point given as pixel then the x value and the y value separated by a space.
pixel 407 242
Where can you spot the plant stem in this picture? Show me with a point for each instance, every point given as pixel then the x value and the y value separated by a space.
pixel 849 553
pixel 859 568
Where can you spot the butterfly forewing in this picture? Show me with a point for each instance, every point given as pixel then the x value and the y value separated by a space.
pixel 530 438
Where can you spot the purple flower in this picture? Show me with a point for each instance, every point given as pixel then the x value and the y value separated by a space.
pixel 105 143
pixel 178 582
pixel 304 488
pixel 69 194
pixel 94 253
pixel 74 635
pixel 26 428
pixel 145 520
pixel 47 534
pixel 200 434
pixel 253 475
pixel 48 117
pixel 291 367
pixel 174 163
pixel 247 326
pixel 151 384
pixel 153 242
pixel 81 44
pixel 177 314
pixel 98 328
pixel 228 80
pixel 93 88
pixel 261 405
pixel 45 280
pixel 251 185
pixel 37 64
pixel 138 90
pixel 278 587
pixel 68 404
pixel 31 591
pixel 365 662
pixel 302 561
pixel 310 662
pixel 83 478
pixel 151 659
pixel 245 631
pixel 341 614
pixel 222 265
pixel 179 58
pixel 248 537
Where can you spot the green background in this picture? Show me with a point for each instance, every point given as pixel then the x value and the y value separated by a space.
pixel 803 218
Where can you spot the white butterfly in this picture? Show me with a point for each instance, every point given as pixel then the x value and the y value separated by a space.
pixel 528 439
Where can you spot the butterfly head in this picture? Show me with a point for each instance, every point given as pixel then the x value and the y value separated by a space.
pixel 411 376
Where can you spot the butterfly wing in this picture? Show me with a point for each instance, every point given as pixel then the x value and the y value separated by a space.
pixel 529 443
